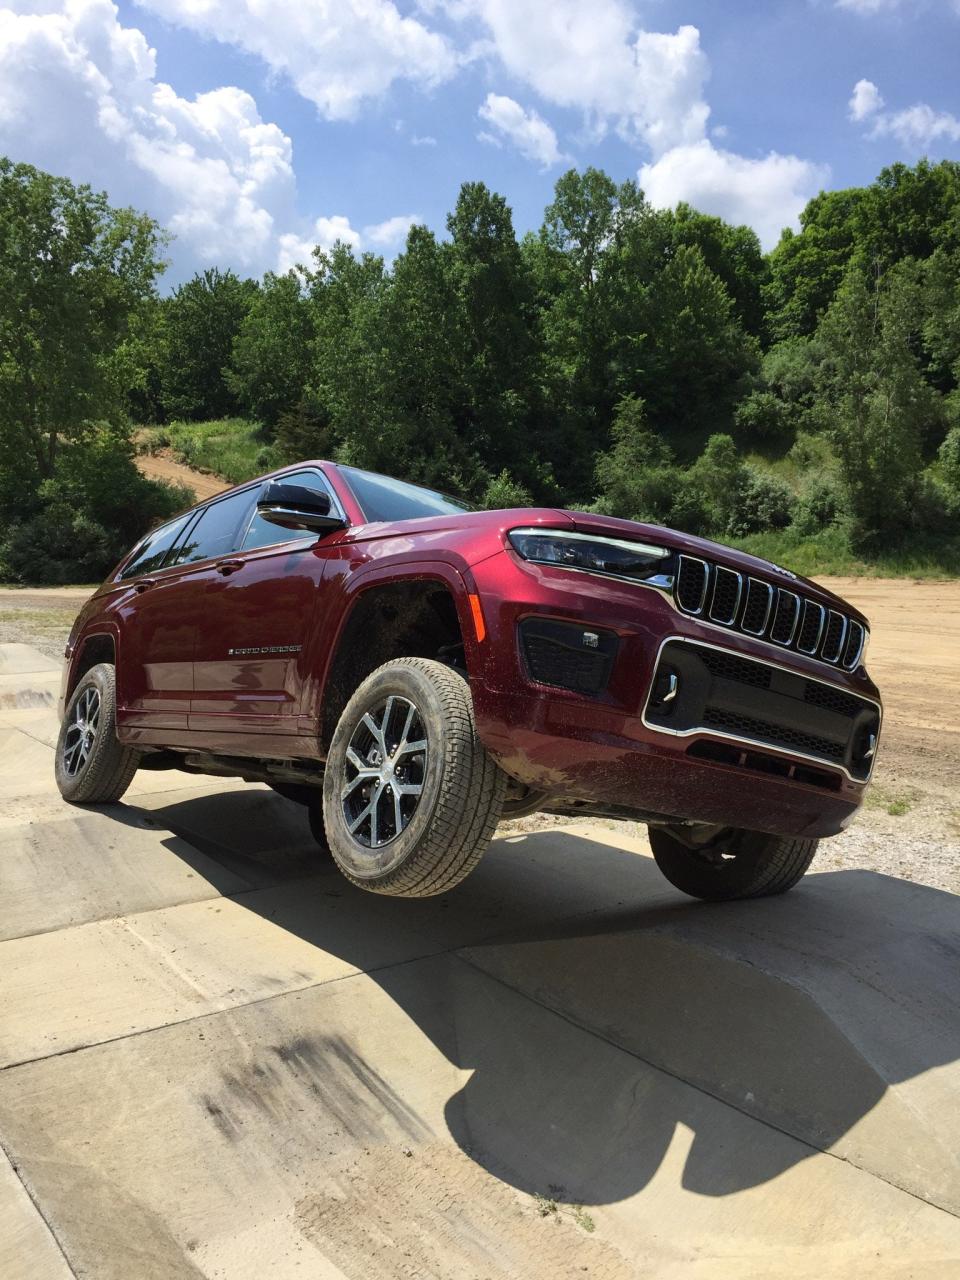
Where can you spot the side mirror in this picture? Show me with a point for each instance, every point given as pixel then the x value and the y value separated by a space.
pixel 294 506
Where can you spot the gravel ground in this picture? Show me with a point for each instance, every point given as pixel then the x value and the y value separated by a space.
pixel 909 826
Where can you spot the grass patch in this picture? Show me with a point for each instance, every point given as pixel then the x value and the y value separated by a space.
pixel 232 448
pixel 897 804
pixel 829 553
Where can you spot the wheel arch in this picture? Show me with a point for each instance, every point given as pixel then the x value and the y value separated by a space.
pixel 96 646
pixel 425 612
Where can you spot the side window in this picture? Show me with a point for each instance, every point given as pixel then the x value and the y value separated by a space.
pixel 151 552
pixel 218 529
pixel 262 533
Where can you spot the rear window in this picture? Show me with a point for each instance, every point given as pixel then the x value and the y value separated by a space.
pixel 383 498
pixel 152 552
pixel 217 532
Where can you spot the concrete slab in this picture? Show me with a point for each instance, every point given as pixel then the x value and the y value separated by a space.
pixel 28 1250
pixel 405 1126
pixel 35 689
pixel 74 987
pixel 90 866
pixel 833 1013
pixel 25 659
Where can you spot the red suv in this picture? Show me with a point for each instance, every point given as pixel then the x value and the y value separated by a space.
pixel 415 671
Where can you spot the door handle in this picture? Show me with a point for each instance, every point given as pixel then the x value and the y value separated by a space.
pixel 144 584
pixel 228 566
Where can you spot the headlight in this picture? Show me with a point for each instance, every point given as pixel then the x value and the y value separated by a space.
pixel 611 556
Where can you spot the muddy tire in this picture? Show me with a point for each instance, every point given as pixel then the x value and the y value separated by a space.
pixel 742 864
pixel 410 797
pixel 91 766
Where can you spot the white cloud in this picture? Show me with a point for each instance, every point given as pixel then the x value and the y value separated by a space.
pixel 527 130
pixel 79 95
pixel 391 233
pixel 865 100
pixel 594 58
pixel 869 6
pixel 766 194
pixel 296 250
pixel 337 53
pixel 426 141
pixel 916 128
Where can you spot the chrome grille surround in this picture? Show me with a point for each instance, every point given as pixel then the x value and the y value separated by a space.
pixel 727 593
pixel 792 620
pixel 690 572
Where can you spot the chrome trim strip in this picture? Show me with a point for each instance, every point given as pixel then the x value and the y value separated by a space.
pixel 854 663
pixel 812 604
pixel 843 638
pixel 641 548
pixel 771 593
pixel 722 568
pixel 698 612
pixel 785 644
pixel 756 742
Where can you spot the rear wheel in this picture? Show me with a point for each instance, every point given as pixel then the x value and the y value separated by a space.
pixel 410 796
pixel 736 864
pixel 91 765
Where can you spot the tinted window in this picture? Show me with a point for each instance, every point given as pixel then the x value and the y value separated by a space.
pixel 151 552
pixel 385 499
pixel 262 533
pixel 217 530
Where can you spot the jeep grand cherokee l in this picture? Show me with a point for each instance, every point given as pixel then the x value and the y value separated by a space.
pixel 414 671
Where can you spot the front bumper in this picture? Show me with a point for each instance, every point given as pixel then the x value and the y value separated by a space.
pixel 608 748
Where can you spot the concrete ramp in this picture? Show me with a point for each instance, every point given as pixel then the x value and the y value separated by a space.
pixel 832 1014
pixel 218 1059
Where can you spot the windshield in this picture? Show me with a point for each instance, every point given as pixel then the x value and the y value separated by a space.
pixel 382 498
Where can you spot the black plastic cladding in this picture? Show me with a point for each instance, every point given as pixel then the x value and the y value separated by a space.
pixel 756 607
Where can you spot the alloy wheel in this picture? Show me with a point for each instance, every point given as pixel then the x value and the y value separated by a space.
pixel 385 770
pixel 81 731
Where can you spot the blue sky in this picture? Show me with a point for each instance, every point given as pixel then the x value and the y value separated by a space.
pixel 257 128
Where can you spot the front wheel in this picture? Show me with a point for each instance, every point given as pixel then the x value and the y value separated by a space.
pixel 737 864
pixel 410 797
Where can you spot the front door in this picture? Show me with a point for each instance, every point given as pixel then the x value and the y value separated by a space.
pixel 259 608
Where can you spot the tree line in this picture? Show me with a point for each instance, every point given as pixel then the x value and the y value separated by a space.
pixel 648 363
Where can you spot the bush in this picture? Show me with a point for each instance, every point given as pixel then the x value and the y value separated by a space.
pixel 503 492
pixel 763 419
pixel 86 515
pixel 763 503
pixel 949 458
pixel 819 504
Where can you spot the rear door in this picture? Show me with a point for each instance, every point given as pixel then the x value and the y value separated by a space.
pixel 158 617
pixel 260 603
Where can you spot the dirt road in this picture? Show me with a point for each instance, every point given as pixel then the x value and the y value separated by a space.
pixel 163 466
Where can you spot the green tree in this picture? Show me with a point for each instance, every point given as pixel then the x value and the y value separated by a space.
pixel 74 275
pixel 881 408
pixel 201 322
pixel 271 355
pixel 491 283
pixel 732 253
pixel 588 265
pixel 637 477
pixel 692 358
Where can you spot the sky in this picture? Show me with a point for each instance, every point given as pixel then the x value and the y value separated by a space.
pixel 255 129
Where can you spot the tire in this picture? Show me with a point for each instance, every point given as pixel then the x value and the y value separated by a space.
pixel 740 864
pixel 445 799
pixel 91 765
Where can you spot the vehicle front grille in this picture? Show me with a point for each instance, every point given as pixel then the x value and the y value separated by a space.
pixel 761 704
pixel 746 603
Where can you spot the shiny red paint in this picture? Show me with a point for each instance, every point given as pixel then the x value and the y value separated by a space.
pixel 185 682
